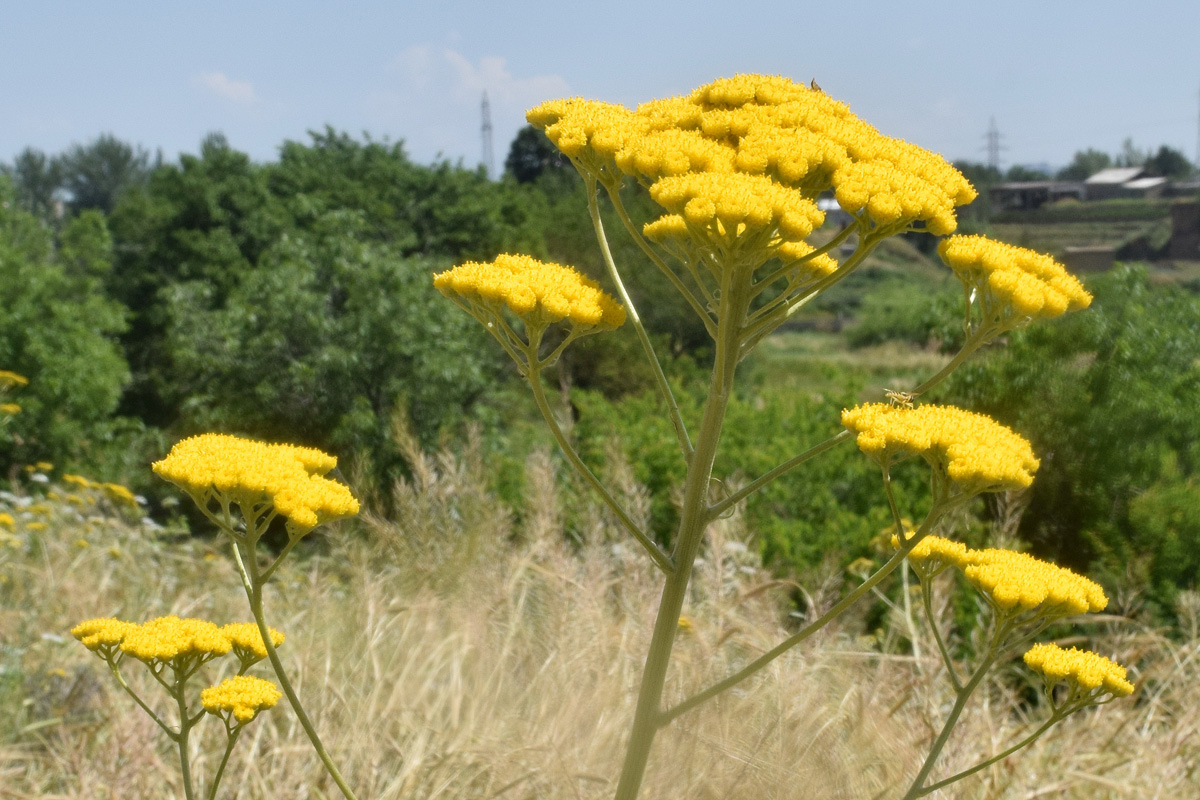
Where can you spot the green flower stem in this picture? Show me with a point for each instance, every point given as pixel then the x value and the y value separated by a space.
pixel 615 196
pixel 1028 740
pixel 233 734
pixel 717 509
pixel 664 388
pixel 185 726
pixel 927 602
pixel 764 283
pixel 798 637
pixel 971 345
pixel 661 559
pixel 253 585
pixel 116 673
pixel 694 518
pixel 960 702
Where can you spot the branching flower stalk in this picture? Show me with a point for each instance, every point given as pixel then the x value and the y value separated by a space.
pixel 737 167
pixel 263 481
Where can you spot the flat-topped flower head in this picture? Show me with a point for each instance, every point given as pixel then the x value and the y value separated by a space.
pixel 1018 581
pixel 253 473
pixel 248 642
pixel 538 292
pixel 102 634
pixel 241 697
pixel 1086 672
pixel 172 640
pixel 976 452
pixel 1013 284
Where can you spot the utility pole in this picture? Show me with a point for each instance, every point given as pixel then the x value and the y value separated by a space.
pixel 486 132
pixel 993 145
pixel 1196 163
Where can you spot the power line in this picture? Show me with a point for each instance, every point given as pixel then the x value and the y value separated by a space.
pixel 993 137
pixel 486 132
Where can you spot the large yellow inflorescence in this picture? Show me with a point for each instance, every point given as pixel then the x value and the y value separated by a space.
pixel 252 473
pixel 1017 580
pixel 1032 285
pixel 977 452
pixel 169 638
pixel 1089 671
pixel 798 140
pixel 537 291
pixel 243 696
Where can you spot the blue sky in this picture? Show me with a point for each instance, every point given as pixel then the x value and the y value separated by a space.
pixel 1057 76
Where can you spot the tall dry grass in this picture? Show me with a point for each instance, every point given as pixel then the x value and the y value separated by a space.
pixel 460 651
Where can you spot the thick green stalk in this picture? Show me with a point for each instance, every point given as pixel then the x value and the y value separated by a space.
pixel 253 586
pixel 695 517
pixel 185 766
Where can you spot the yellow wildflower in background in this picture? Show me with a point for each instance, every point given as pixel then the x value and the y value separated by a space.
pixel 11 409
pixel 248 643
pixel 119 494
pixel 976 452
pixel 253 473
pixel 9 379
pixel 1084 670
pixel 242 696
pixel 7 521
pixel 537 291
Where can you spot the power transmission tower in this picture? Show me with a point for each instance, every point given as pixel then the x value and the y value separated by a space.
pixel 993 145
pixel 486 131
pixel 1196 163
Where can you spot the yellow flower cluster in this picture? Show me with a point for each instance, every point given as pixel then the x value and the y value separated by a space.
pixel 106 632
pixel 243 696
pixel 11 409
pixel 1018 580
pixel 169 638
pixel 935 552
pixel 8 379
pixel 976 452
pixel 537 291
pixel 799 139
pixel 1082 668
pixel 1013 281
pixel 248 642
pixel 253 473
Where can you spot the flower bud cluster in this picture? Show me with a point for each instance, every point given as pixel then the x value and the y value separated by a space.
pixel 1086 672
pixel 241 696
pixel 976 452
pixel 252 474
pixel 539 292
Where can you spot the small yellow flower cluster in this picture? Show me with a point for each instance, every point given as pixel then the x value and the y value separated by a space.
pixel 978 453
pixel 798 139
pixel 166 639
pixel 9 379
pixel 243 696
pixel 7 521
pixel 1012 281
pixel 539 292
pixel 1090 672
pixel 1018 580
pixel 933 553
pixel 253 473
pixel 247 641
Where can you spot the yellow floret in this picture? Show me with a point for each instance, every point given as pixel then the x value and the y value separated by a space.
pixel 735 199
pixel 243 696
pixel 1018 580
pixel 248 642
pixel 1087 670
pixel 252 473
pixel 539 291
pixel 105 632
pixel 166 639
pixel 1013 279
pixel 977 452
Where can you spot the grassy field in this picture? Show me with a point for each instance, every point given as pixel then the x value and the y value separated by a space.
pixel 452 652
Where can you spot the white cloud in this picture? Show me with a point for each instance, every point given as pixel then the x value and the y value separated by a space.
pixel 432 99
pixel 240 92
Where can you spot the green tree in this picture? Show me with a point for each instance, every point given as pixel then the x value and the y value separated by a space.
pixel 96 174
pixel 1019 172
pixel 531 154
pixel 36 180
pixel 1169 163
pixel 1085 164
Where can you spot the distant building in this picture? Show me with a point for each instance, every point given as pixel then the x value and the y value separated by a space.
pixel 1025 195
pixel 1109 184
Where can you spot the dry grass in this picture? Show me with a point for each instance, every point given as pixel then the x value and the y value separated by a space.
pixel 455 653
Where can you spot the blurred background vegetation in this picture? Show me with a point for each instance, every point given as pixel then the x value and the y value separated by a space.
pixel 291 300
